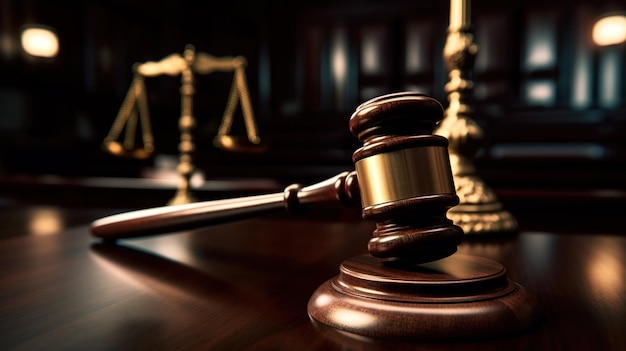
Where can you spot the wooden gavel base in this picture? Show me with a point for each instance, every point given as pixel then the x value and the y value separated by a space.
pixel 458 297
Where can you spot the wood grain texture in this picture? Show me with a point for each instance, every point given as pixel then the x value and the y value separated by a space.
pixel 246 286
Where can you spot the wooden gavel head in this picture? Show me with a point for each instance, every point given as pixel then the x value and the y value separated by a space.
pixel 405 180
pixel 406 187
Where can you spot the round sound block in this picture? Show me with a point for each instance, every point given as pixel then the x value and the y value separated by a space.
pixel 458 297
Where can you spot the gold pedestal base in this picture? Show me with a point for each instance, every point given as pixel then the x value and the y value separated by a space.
pixel 479 212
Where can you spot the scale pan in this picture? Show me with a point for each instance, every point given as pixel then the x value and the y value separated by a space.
pixel 116 148
pixel 239 144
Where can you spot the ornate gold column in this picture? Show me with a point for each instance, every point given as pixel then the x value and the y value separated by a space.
pixel 479 210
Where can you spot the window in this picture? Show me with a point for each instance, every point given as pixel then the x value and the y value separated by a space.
pixel 418 58
pixel 539 60
pixel 493 61
pixel 374 61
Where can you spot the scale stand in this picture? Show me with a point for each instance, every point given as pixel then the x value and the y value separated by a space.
pixel 135 107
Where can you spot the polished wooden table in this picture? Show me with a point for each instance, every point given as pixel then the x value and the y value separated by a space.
pixel 245 285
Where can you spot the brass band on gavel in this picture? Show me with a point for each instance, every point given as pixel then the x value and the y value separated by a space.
pixel 380 182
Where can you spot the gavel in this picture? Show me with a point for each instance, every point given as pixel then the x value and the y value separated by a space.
pixel 402 178
pixel 411 284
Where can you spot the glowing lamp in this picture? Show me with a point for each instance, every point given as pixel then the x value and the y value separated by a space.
pixel 40 41
pixel 610 30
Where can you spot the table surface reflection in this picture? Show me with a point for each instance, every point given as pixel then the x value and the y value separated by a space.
pixel 245 285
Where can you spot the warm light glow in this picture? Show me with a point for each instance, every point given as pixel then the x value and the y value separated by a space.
pixel 417 59
pixel 371 49
pixel 356 319
pixel 610 66
pixel 7 45
pixel 581 83
pixel 541 54
pixel 540 92
pixel 605 273
pixel 173 248
pixel 610 30
pixel 166 174
pixel 40 42
pixel 339 62
pixel 45 221
pixel 541 42
pixel 423 88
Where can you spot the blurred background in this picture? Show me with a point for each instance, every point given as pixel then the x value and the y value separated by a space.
pixel 550 98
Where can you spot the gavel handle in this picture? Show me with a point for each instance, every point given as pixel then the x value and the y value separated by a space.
pixel 341 189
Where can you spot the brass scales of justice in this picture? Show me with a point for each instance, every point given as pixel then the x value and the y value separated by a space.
pixel 135 111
